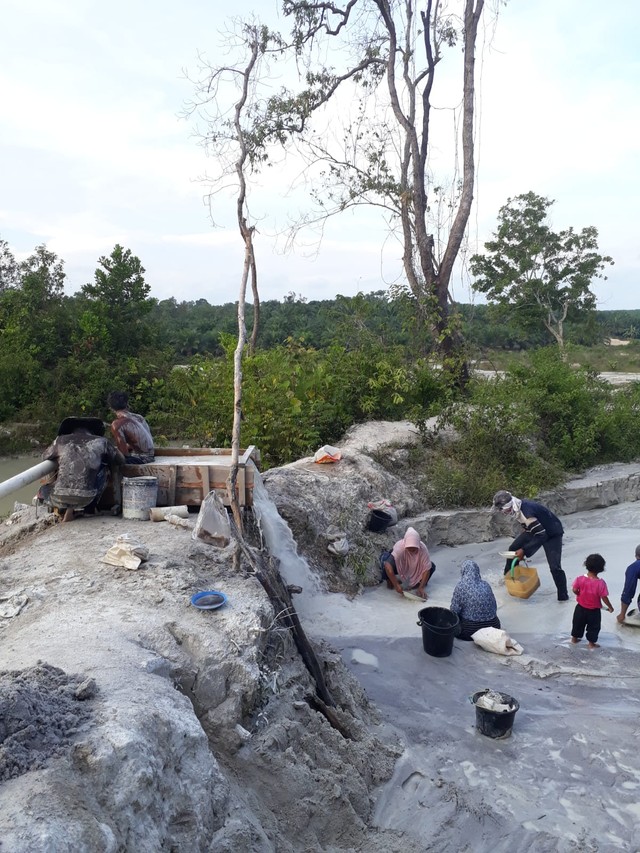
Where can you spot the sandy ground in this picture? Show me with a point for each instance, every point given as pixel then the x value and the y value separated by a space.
pixel 568 778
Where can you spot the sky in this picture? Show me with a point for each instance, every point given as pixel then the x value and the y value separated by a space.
pixel 95 149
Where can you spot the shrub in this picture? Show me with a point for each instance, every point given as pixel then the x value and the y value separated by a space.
pixel 523 431
pixel 494 447
pixel 566 402
pixel 618 433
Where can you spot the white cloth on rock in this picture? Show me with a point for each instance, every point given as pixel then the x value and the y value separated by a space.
pixel 127 552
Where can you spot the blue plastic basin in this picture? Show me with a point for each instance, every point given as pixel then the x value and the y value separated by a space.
pixel 209 600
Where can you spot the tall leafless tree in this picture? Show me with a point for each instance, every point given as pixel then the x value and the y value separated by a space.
pixel 227 138
pixel 389 55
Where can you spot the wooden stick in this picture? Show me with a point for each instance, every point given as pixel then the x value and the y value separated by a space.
pixel 280 598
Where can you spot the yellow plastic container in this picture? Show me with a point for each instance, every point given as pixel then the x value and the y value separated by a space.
pixel 521 581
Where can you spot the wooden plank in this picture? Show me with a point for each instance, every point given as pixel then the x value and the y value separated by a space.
pixel 188 486
pixel 205 451
pixel 182 483
pixel 203 474
pixel 248 486
pixel 184 451
pixel 171 486
pixel 240 490
pixel 252 453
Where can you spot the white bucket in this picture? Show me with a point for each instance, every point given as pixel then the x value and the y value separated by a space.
pixel 139 495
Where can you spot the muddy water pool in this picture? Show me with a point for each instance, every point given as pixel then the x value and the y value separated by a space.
pixel 11 466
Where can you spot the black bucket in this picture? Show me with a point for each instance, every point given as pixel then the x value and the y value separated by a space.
pixel 379 520
pixel 495 724
pixel 439 627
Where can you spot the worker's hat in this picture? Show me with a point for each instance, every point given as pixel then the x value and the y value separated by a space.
pixel 93 425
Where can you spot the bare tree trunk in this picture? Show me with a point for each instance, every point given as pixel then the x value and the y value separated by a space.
pixel 555 325
pixel 256 303
pixel 428 280
pixel 454 361
pixel 246 232
pixel 237 387
pixel 471 19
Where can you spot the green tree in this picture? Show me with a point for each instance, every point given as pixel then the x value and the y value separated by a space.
pixel 117 304
pixel 541 276
pixel 34 328
pixel 9 273
pixel 33 316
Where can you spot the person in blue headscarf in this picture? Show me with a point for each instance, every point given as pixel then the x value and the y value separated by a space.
pixel 473 602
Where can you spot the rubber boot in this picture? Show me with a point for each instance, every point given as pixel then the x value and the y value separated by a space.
pixel 560 580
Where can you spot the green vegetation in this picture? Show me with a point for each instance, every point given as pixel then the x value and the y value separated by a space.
pixel 319 367
pixel 536 276
pixel 529 428
pixel 296 398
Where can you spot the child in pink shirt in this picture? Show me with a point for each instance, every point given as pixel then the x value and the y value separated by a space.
pixel 590 591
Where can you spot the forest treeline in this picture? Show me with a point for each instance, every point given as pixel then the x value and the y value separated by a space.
pixel 195 328
pixel 319 366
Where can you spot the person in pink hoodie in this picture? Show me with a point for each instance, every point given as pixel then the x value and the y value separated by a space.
pixel 409 565
pixel 590 591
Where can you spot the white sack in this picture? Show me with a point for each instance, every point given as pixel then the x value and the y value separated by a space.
pixel 497 641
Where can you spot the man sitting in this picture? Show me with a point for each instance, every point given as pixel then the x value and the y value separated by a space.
pixel 83 456
pixel 130 431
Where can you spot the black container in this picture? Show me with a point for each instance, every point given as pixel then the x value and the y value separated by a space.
pixel 495 724
pixel 379 520
pixel 439 628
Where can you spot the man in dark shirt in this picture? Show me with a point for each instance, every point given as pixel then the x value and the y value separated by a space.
pixel 631 577
pixel 541 528
pixel 83 456
pixel 130 431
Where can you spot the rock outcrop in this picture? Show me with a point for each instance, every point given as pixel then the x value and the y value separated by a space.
pixel 135 722
pixel 314 498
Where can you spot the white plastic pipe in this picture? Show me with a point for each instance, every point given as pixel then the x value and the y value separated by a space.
pixel 26 477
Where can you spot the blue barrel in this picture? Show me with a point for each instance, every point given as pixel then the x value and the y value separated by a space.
pixel 139 495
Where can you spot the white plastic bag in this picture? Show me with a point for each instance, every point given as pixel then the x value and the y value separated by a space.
pixel 327 453
pixel 339 547
pixel 497 641
pixel 212 524
pixel 338 542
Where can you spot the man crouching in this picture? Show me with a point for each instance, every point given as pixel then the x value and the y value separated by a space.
pixel 83 456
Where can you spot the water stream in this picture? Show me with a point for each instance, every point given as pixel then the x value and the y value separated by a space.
pixel 279 539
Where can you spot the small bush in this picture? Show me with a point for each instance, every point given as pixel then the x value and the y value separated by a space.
pixel 523 432
pixel 618 433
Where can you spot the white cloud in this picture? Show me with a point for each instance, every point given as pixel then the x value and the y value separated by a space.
pixel 92 151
